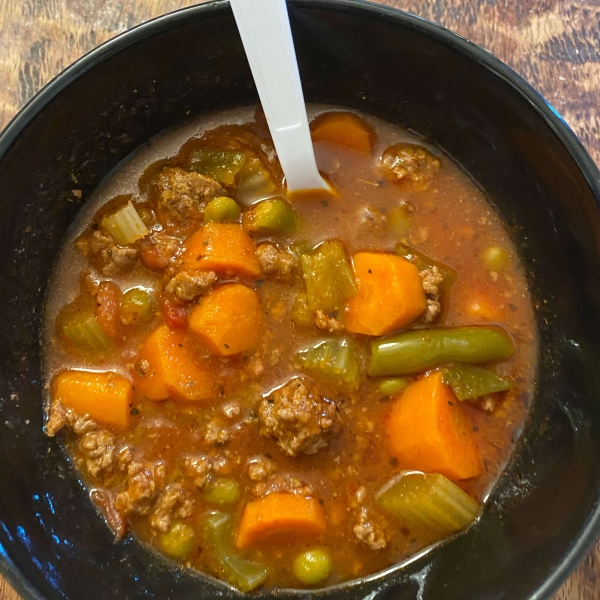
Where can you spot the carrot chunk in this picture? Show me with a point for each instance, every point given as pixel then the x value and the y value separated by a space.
pixel 167 368
pixel 228 319
pixel 343 129
pixel 427 430
pixel 390 294
pixel 104 396
pixel 222 247
pixel 280 514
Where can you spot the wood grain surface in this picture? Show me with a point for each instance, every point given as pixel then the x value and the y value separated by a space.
pixel 554 44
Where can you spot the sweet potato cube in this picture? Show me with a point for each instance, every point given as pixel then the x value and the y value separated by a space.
pixel 221 247
pixel 390 294
pixel 228 320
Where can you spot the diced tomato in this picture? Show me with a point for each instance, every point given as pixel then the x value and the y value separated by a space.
pixel 108 301
pixel 152 258
pixel 174 312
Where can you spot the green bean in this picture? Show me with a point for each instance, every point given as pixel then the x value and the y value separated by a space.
pixel 221 210
pixel 178 542
pixel 223 491
pixel 414 351
pixel 312 566
pixel 469 382
pixel 137 307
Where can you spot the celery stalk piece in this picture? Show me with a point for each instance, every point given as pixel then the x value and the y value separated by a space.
pixel 270 216
pixel 328 276
pixel 125 225
pixel 428 504
pixel 242 573
pixel 85 331
pixel 334 360
pixel 223 165
pixel 469 382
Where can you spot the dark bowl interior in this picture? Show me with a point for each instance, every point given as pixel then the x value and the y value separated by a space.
pixel 542 514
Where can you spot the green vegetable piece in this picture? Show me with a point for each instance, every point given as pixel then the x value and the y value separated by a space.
pixel 428 504
pixel 221 210
pixel 312 566
pixel 223 165
pixel 223 491
pixel 495 258
pixel 334 360
pixel 393 385
pixel 270 216
pixel 469 382
pixel 425 262
pixel 178 542
pixel 85 331
pixel 240 572
pixel 328 276
pixel 125 225
pixel 301 314
pixel 137 307
pixel 399 219
pixel 415 351
pixel 254 182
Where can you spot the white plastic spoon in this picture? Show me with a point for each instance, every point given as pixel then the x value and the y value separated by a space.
pixel 265 30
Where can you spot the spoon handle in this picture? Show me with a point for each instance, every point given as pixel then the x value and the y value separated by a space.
pixel 265 31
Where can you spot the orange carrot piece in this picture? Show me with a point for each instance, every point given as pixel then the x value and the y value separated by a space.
pixel 343 129
pixel 428 430
pixel 390 294
pixel 171 369
pixel 280 514
pixel 108 301
pixel 104 396
pixel 222 247
pixel 227 320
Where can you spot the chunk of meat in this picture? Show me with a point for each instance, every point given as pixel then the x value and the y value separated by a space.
pixel 159 250
pixel 115 259
pixel 260 467
pixel 327 322
pixel 188 285
pixel 408 162
pixel 216 432
pixel 98 449
pixel 144 481
pixel 172 503
pixel 60 416
pixel 231 409
pixel 434 308
pixel 431 278
pixel 184 193
pixel 273 260
pixel 298 419
pixel 368 531
pixel 197 468
pixel 369 216
pixel 104 500
pixel 283 482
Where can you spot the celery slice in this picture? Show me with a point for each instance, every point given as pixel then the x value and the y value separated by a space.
pixel 334 360
pixel 85 331
pixel 125 225
pixel 469 382
pixel 328 276
pixel 243 573
pixel 428 504
pixel 223 165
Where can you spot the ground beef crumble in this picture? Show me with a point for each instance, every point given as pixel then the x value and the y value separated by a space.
pixel 173 503
pixel 298 419
pixel 327 322
pixel 368 531
pixel 283 482
pixel 189 285
pixel 260 467
pixel 273 260
pixel 144 481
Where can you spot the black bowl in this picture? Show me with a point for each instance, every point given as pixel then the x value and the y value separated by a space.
pixel 544 512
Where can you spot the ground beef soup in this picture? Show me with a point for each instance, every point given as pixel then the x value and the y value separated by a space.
pixel 289 392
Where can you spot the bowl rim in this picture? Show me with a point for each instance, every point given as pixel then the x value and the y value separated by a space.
pixel 518 85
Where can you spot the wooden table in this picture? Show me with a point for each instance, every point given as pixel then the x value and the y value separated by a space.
pixel 554 44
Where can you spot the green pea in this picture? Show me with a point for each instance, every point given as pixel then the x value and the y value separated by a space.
pixel 393 385
pixel 221 210
pixel 137 307
pixel 270 216
pixel 178 542
pixel 495 258
pixel 223 491
pixel 312 566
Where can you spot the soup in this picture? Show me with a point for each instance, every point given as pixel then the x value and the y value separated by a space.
pixel 289 392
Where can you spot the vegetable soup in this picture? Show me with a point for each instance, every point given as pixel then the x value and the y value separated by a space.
pixel 289 392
